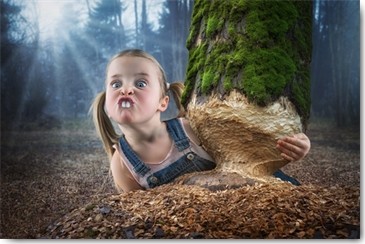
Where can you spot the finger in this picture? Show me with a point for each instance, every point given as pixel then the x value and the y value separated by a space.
pixel 306 142
pixel 299 146
pixel 293 140
pixel 290 154
pixel 303 140
pixel 287 157
pixel 288 147
pixel 301 136
pixel 290 150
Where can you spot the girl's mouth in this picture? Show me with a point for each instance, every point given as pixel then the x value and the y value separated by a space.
pixel 125 102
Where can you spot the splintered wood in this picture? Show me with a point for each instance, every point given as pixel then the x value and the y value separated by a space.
pixel 242 136
pixel 185 211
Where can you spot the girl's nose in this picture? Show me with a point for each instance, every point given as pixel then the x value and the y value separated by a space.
pixel 127 90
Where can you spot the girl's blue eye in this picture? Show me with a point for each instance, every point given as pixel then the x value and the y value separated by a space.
pixel 116 84
pixel 141 84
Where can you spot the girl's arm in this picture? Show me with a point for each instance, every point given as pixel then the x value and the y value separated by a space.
pixel 123 179
pixel 294 148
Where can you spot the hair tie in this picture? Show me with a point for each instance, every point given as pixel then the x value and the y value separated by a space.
pixel 168 86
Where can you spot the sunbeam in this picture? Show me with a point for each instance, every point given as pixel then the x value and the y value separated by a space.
pixel 50 13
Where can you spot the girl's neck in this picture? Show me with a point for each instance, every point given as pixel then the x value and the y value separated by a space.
pixel 148 131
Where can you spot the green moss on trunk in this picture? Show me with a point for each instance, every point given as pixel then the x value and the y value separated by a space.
pixel 261 48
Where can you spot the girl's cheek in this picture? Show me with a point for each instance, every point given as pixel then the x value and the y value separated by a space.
pixel 108 102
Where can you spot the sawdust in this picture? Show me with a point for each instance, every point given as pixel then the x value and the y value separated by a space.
pixel 180 211
pixel 58 177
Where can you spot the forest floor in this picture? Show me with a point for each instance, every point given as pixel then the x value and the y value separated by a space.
pixel 47 173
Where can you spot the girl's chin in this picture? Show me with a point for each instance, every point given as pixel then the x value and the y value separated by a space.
pixel 124 118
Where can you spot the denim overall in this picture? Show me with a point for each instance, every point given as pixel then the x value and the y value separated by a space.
pixel 188 163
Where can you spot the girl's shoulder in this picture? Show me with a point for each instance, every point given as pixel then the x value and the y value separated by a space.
pixel 189 130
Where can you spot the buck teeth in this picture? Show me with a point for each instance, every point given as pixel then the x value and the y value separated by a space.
pixel 126 104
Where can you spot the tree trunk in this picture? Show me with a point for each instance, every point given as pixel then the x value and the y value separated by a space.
pixel 248 80
pixel 136 22
pixel 144 25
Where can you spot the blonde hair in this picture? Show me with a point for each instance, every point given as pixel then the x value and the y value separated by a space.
pixel 103 124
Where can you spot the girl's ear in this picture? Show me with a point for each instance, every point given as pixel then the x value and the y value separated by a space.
pixel 164 103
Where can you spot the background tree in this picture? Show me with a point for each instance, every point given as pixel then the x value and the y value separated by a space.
pixel 175 23
pixel 106 27
pixel 147 39
pixel 23 90
pixel 336 63
pixel 248 80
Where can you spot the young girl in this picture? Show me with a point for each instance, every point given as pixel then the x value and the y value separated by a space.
pixel 152 152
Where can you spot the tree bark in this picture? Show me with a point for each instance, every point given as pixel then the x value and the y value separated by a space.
pixel 248 80
pixel 136 22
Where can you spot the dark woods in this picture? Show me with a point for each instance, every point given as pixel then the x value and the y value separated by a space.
pixel 335 75
pixel 55 78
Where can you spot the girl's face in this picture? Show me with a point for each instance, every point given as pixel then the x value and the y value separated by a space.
pixel 133 90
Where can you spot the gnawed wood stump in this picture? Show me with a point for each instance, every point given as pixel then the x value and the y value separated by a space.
pixel 240 136
pixel 276 210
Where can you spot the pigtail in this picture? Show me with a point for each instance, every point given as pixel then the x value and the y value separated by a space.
pixel 103 125
pixel 176 89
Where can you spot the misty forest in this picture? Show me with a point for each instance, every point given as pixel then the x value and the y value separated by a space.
pixel 55 178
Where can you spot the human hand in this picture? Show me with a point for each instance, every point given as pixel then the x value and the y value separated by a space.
pixel 294 148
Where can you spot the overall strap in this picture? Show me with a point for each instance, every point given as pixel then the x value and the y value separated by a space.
pixel 138 166
pixel 177 133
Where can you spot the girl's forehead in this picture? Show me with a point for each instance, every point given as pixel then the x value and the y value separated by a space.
pixel 130 64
